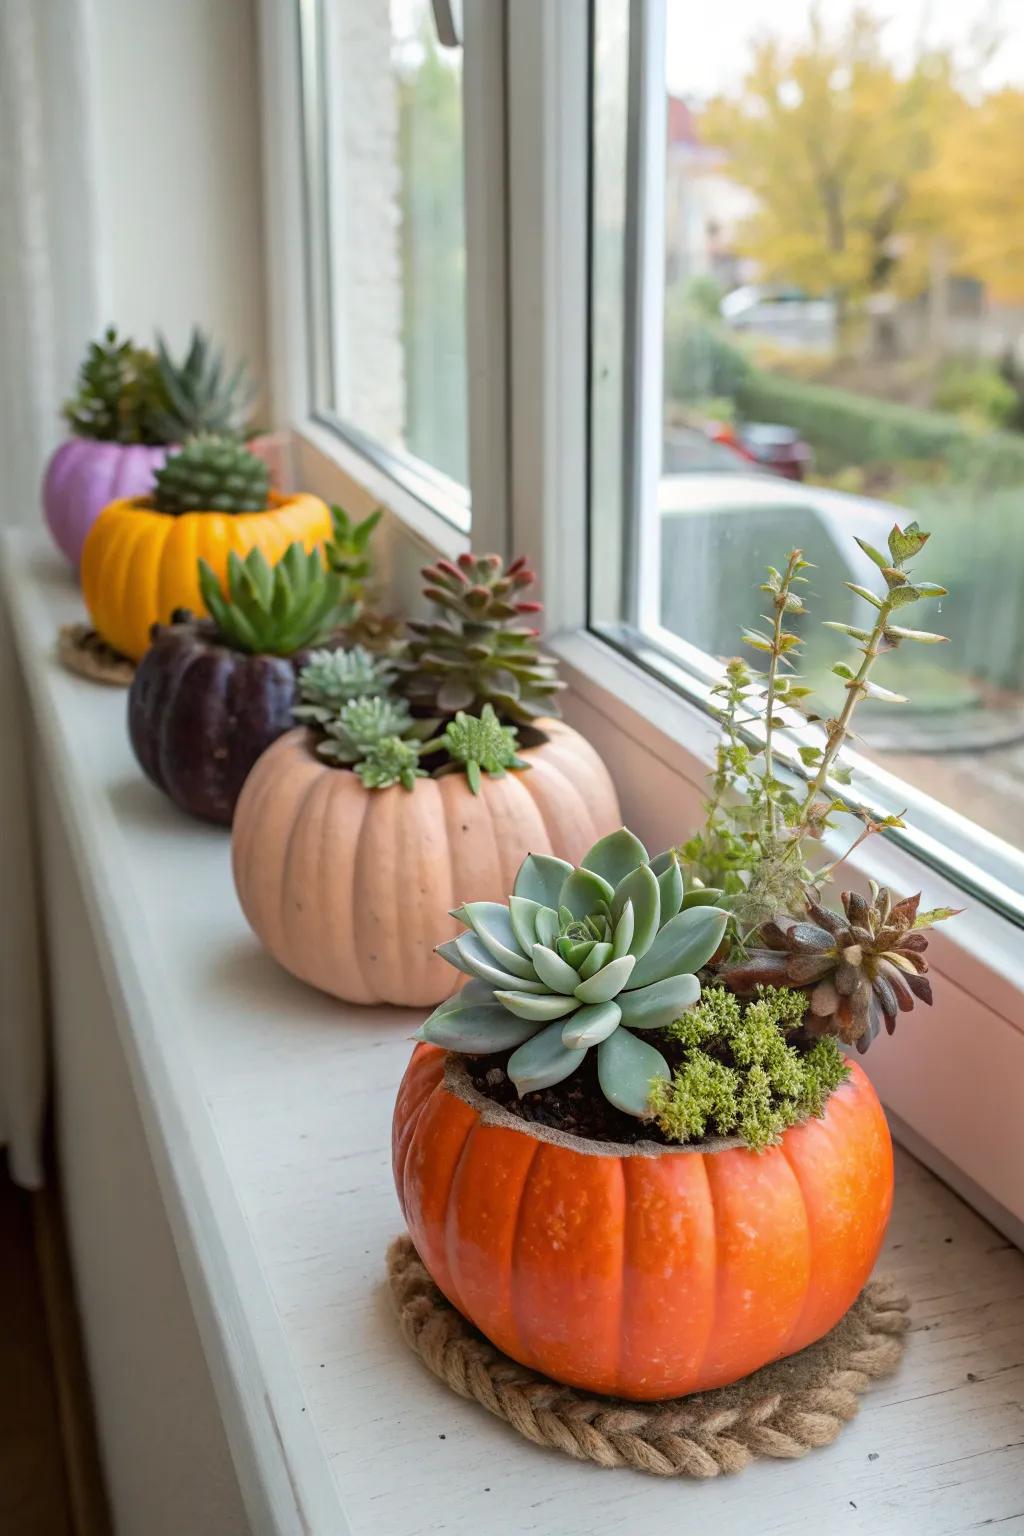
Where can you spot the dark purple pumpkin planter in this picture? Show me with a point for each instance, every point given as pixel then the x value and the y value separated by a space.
pixel 200 714
pixel 84 475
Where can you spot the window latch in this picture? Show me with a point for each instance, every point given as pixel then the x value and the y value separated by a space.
pixel 448 22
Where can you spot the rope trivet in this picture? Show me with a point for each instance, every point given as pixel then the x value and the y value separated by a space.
pixel 782 1410
pixel 81 650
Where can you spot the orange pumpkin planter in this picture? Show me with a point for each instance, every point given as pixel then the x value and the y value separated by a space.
pixel 350 889
pixel 640 1271
pixel 139 565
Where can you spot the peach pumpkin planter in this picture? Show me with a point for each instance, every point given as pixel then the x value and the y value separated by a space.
pixel 642 1271
pixel 350 889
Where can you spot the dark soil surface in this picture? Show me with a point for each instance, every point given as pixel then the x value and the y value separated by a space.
pixel 576 1105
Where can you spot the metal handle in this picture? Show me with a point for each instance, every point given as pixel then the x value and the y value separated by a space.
pixel 448 22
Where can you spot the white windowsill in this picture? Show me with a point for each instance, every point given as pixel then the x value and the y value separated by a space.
pixel 267 1110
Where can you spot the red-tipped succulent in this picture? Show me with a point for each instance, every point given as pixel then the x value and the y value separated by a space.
pixel 476 650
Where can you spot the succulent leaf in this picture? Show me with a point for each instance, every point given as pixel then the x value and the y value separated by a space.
pixel 481 962
pixel 622 936
pixel 626 1069
pixel 615 856
pixel 640 888
pixel 684 944
pixel 659 1003
pixel 198 397
pixel 543 1061
pixel 539 1008
pixel 583 892
pixel 475 1027
pixel 541 877
pixel 523 914
pixel 553 971
pixel 491 923
pixel 589 1026
pixel 599 955
pixel 607 982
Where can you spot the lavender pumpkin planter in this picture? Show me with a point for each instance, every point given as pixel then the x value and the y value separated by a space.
pixel 84 475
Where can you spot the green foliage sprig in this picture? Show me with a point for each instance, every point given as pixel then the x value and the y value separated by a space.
pixel 348 555
pixel 759 825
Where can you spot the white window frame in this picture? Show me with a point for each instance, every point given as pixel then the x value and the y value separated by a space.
pixel 527 113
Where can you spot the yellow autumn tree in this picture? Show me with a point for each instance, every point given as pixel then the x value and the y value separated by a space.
pixel 977 187
pixel 833 140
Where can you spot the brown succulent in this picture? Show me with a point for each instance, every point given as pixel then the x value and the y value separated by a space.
pixel 860 967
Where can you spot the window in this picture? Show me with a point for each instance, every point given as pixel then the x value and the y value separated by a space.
pixel 807 320
pixel 386 243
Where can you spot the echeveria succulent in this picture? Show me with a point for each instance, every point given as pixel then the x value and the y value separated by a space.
pixel 332 678
pixel 580 957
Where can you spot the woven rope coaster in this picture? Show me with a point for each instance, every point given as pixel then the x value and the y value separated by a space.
pixel 81 650
pixel 783 1410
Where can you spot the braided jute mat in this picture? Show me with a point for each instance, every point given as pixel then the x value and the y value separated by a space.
pixel 80 649
pixel 782 1410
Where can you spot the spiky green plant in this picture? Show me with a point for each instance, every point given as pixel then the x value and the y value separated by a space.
pixel 273 610
pixel 117 397
pixel 476 650
pixel 479 744
pixel 594 956
pixel 330 679
pixel 198 395
pixel 348 554
pixel 212 474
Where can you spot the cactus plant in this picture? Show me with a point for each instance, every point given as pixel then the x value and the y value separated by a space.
pixel 211 474
pixel 580 957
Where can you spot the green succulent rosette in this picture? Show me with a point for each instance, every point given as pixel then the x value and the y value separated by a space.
pixel 589 957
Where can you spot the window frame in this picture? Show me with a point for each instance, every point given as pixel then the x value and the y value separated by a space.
pixel 527 103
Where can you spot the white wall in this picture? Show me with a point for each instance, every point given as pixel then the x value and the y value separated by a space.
pixel 178 183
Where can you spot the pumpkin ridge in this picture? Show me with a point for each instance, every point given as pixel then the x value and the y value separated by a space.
pixel 156 567
pixel 409 1129
pixel 563 791
pixel 410 1160
pixel 297 818
pixel 622 1273
pixel 798 1319
pixel 358 907
pixel 715 1308
pixel 245 849
pixel 308 826
pixel 517 1233
pixel 567 752
pixel 119 578
pixel 164 749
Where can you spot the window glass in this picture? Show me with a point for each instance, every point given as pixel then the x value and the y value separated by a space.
pixel 386 103
pixel 829 210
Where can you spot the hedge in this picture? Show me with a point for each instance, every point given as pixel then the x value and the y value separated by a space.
pixel 844 428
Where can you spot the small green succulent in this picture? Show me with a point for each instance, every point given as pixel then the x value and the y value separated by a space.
pixel 273 610
pixel 331 679
pixel 480 743
pixel 348 554
pixel 579 958
pixel 392 760
pixel 363 723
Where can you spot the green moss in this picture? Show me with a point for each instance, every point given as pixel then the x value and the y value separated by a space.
pixel 740 1076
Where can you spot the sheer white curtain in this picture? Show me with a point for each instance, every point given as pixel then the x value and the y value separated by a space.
pixel 48 255
pixel 48 308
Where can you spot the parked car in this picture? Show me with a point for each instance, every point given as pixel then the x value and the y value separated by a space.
pixel 785 315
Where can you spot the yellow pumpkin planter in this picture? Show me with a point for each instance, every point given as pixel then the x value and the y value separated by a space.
pixel 140 563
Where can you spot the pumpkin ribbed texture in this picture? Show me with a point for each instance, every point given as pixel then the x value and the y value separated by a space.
pixel 139 565
pixel 640 1276
pixel 350 889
